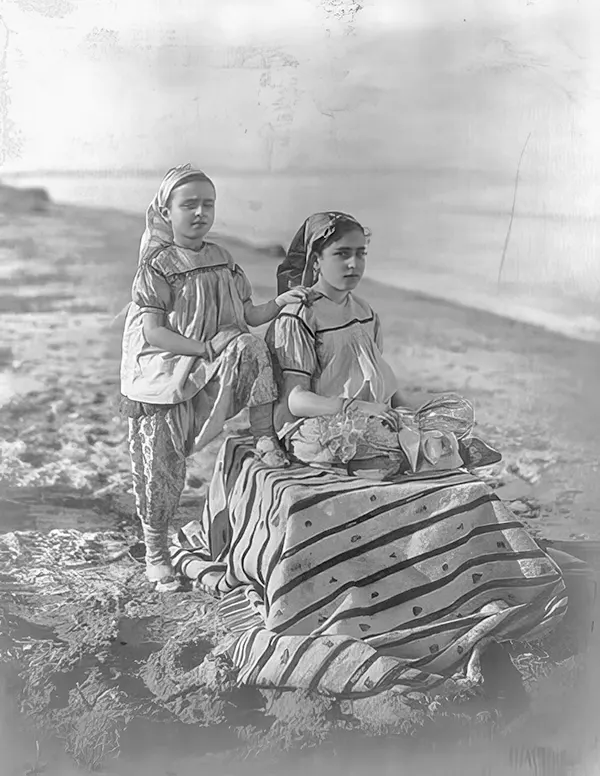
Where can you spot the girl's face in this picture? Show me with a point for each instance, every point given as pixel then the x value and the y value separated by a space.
pixel 341 264
pixel 191 211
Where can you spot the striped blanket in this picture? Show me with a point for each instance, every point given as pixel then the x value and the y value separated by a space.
pixel 350 587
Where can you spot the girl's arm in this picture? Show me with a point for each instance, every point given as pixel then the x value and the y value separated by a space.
pixel 304 403
pixel 257 315
pixel 398 399
pixel 159 336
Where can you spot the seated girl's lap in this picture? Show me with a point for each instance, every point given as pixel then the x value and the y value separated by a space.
pixel 306 535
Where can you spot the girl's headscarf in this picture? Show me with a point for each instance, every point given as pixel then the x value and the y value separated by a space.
pixel 158 233
pixel 297 267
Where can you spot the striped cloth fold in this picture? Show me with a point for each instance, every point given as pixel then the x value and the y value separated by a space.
pixel 350 587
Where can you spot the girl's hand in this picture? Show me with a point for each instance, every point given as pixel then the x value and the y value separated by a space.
pixel 223 338
pixel 294 295
pixel 382 411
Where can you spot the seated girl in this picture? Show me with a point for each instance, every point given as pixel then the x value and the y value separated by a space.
pixel 340 405
pixel 337 584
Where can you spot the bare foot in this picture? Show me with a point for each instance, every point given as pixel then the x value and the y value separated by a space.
pixel 164 578
pixel 271 454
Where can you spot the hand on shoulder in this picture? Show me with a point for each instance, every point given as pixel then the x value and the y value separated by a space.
pixel 296 295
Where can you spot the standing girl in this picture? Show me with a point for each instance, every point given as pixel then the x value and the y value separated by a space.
pixel 189 362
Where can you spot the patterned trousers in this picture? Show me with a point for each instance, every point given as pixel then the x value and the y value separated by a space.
pixel 162 437
pixel 158 446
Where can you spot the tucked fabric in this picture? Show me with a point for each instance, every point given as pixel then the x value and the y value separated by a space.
pixel 200 292
pixel 161 438
pixel 341 585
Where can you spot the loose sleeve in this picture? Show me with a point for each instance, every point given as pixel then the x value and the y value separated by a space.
pixel 293 345
pixel 242 284
pixel 151 290
pixel 378 333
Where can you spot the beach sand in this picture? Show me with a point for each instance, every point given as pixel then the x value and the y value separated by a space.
pixel 65 274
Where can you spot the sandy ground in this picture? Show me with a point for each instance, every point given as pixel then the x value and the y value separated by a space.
pixel 66 273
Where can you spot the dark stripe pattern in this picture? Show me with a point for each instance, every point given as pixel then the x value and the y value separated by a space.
pixel 336 584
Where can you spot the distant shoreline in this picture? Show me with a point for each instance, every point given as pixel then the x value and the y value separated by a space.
pixel 497 178
pixel 573 322
pixel 304 172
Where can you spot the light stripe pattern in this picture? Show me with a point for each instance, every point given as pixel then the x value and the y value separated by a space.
pixel 348 586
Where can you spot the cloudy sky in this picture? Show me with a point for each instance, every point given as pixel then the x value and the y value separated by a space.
pixel 302 84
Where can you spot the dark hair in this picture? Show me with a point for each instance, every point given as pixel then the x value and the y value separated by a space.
pixel 342 227
pixel 199 176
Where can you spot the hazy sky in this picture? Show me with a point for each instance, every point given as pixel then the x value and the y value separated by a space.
pixel 270 84
pixel 321 85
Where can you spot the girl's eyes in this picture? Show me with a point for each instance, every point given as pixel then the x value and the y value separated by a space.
pixel 347 254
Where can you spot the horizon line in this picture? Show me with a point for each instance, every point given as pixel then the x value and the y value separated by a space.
pixel 134 172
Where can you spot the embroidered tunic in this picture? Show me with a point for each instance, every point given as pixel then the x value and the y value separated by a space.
pixel 200 292
pixel 338 346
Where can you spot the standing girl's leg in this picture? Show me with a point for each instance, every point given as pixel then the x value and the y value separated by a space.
pixel 256 374
pixel 244 380
pixel 158 466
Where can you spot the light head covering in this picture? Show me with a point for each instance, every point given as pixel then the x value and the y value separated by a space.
pixel 297 267
pixel 159 233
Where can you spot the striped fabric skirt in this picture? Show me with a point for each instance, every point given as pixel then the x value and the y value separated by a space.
pixel 347 586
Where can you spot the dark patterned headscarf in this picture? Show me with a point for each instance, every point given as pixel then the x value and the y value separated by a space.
pixel 297 267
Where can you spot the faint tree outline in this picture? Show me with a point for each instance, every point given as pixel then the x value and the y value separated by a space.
pixel 501 56
pixel 11 139
pixel 255 58
pixel 277 91
pixel 279 97
pixel 345 11
pixel 101 41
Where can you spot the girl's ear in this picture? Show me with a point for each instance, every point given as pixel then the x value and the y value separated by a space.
pixel 314 263
pixel 165 213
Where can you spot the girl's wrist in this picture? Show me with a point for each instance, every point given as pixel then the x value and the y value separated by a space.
pixel 346 404
pixel 333 407
pixel 206 351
